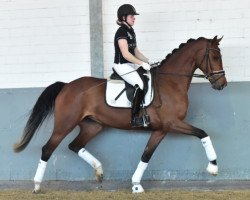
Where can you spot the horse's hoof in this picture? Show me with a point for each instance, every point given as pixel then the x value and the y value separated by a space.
pixel 212 169
pixel 37 188
pixel 137 189
pixel 99 174
pixel 35 191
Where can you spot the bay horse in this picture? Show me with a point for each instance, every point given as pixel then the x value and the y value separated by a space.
pixel 82 103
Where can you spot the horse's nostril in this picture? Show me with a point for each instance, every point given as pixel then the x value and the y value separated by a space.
pixel 223 86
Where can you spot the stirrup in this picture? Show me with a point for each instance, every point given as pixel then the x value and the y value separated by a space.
pixel 137 122
pixel 143 121
pixel 146 120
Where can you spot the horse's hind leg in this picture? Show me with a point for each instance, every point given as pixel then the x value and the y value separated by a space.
pixel 62 127
pixel 88 130
pixel 182 127
pixel 47 151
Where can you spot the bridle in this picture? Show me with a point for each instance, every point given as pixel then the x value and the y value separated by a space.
pixel 213 73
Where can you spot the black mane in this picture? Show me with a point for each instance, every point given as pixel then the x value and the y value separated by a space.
pixel 180 47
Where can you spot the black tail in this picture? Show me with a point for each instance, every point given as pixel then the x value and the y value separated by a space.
pixel 43 107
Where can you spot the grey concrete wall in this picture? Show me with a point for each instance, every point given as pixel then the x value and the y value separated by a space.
pixel 96 38
pixel 223 115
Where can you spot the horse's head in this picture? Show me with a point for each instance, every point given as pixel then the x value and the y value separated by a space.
pixel 211 64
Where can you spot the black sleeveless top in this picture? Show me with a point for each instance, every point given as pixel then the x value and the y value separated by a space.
pixel 128 34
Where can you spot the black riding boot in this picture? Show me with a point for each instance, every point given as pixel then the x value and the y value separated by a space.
pixel 136 120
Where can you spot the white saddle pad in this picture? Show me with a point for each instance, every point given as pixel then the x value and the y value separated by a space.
pixel 114 87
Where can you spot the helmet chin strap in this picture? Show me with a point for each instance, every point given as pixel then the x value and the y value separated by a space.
pixel 126 23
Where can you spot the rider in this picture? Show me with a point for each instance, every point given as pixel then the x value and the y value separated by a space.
pixel 128 58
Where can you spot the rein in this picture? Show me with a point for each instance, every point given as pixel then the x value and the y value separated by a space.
pixel 157 64
pixel 186 75
pixel 206 76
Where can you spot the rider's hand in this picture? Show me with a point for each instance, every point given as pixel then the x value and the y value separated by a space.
pixel 154 63
pixel 146 66
pixel 151 62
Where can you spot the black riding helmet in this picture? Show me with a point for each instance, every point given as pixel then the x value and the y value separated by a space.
pixel 125 10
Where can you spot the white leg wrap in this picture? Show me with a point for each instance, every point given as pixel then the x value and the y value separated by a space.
pixel 40 171
pixel 207 144
pixel 90 159
pixel 136 178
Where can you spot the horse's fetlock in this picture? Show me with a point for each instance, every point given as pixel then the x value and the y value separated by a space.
pixel 73 148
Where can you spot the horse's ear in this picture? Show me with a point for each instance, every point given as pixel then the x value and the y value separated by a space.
pixel 216 41
pixel 215 38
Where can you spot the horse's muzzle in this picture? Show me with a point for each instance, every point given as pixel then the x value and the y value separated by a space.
pixel 220 84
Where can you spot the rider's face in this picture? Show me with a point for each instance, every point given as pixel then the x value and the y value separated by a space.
pixel 131 20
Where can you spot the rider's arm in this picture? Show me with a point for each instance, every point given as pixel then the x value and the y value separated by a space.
pixel 123 45
pixel 140 56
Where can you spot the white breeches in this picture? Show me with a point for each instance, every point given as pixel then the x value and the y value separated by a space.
pixel 128 73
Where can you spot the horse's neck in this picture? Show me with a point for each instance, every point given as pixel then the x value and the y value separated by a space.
pixel 181 66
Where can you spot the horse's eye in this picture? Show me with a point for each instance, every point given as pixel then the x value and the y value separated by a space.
pixel 216 57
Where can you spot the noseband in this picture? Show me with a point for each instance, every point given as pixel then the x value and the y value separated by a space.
pixel 213 73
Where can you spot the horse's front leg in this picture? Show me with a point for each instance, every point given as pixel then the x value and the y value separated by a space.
pixel 182 127
pixel 152 144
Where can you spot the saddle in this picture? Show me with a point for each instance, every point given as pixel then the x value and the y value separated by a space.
pixel 120 94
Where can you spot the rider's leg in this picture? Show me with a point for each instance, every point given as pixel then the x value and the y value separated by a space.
pixel 136 120
pixel 129 74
